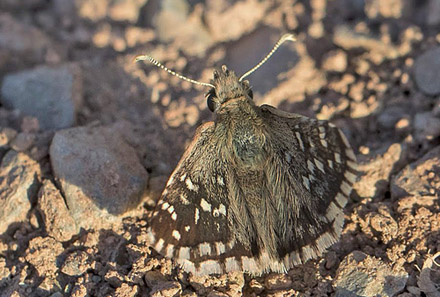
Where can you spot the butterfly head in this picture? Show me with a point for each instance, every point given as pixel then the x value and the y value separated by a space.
pixel 226 86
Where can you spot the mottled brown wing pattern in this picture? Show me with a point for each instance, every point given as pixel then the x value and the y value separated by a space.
pixel 319 167
pixel 190 222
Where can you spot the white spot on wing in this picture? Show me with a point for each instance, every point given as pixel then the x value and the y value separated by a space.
pixel 352 165
pixel 188 266
pixel 165 206
pixel 310 166
pixel 205 205
pixel 333 211
pixel 184 253
pixel 288 157
pixel 176 234
pixel 301 144
pixel 159 245
pixel 249 264
pixel 324 143
pixel 337 158
pixel 341 199
pixel 330 163
pixel 182 178
pixel 230 244
pixel 222 209
pixel 319 165
pixel 187 228
pixel 346 188
pixel 350 176
pixel 312 144
pixel 174 216
pixel 306 182
pixel 169 251
pixel 220 248
pixel 196 216
pixel 220 180
pixel 183 199
pixel 151 239
pixel 204 249
pixel 209 267
pixel 190 185
pixel 231 264
pixel 170 209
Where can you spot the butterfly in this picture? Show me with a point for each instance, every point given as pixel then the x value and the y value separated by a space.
pixel 257 190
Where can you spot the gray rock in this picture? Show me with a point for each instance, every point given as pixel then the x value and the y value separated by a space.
pixel 433 11
pixel 52 95
pixel 153 278
pixel 390 116
pixel 278 281
pixel 427 71
pixel 363 275
pixel 23 141
pixel 55 214
pixel 421 178
pixel 22 40
pixel 377 169
pixel 77 263
pixel 427 126
pixel 19 176
pixel 167 288
pixel 100 175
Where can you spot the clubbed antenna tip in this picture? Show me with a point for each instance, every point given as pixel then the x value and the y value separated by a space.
pixel 283 39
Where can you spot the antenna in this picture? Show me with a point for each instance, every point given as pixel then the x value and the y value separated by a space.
pixel 284 38
pixel 158 64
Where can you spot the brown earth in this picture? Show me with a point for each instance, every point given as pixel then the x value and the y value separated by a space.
pixel 371 67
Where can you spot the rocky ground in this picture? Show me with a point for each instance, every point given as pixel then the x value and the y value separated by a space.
pixel 88 138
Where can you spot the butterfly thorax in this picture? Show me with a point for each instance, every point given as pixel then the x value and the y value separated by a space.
pixel 240 127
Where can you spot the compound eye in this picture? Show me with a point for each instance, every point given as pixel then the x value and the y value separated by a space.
pixel 210 100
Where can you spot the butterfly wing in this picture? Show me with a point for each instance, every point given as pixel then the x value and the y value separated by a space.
pixel 213 219
pixel 313 169
pixel 190 223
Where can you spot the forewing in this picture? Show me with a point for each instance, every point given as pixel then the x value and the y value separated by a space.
pixel 190 222
pixel 314 169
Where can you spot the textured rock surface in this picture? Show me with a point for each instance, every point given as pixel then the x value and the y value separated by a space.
pixel 375 172
pixel 52 95
pixel 56 216
pixel 19 178
pixel 421 178
pixel 100 175
pixel 427 71
pixel 362 275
